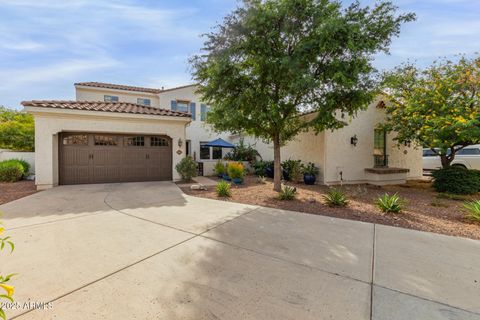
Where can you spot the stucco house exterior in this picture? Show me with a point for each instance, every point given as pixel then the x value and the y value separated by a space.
pixel 115 133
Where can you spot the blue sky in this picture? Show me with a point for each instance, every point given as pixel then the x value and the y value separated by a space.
pixel 47 45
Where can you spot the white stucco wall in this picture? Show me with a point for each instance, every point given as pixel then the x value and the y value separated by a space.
pixel 97 94
pixel 197 131
pixel 49 123
pixel 342 156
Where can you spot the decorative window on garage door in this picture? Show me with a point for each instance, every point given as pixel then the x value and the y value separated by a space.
pixel 101 140
pixel 76 139
pixel 158 142
pixel 135 141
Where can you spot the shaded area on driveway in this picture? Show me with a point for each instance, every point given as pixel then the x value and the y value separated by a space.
pixel 147 251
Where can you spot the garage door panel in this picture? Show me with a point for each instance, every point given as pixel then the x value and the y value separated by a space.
pixel 102 161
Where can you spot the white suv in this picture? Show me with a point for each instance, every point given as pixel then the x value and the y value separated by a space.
pixel 468 158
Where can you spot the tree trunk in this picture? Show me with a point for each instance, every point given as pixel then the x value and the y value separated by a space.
pixel 277 165
pixel 446 160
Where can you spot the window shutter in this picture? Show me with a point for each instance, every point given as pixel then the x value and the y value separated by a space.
pixel 173 105
pixel 203 112
pixel 193 110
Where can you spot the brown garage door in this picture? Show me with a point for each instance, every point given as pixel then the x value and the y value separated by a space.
pixel 104 158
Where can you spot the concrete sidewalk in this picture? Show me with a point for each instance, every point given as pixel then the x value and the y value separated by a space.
pixel 148 251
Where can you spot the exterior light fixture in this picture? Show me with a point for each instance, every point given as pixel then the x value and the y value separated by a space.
pixel 407 143
pixel 354 140
pixel 180 142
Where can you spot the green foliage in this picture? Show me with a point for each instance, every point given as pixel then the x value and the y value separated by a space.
pixel 260 167
pixel 236 170
pixel 187 168
pixel 294 169
pixel 11 171
pixel 4 285
pixel 17 130
pixel 223 189
pixel 243 152
pixel 287 193
pixel 335 198
pixel 390 203
pixel 438 107
pixel 472 208
pixel 310 169
pixel 25 165
pixel 456 180
pixel 219 168
pixel 270 59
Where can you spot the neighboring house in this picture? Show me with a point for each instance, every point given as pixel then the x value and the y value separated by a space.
pixel 115 133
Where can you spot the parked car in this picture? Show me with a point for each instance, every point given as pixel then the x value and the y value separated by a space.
pixel 468 158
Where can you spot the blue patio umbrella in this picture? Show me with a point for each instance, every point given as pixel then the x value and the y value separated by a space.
pixel 220 143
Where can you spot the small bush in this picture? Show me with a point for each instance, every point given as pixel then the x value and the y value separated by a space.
pixel 187 168
pixel 223 189
pixel 25 165
pixel 219 168
pixel 390 203
pixel 310 169
pixel 11 171
pixel 261 179
pixel 472 208
pixel 293 170
pixel 261 167
pixel 236 170
pixel 335 198
pixel 287 193
pixel 456 180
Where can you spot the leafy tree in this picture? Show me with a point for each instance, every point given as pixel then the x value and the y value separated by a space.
pixel 17 130
pixel 438 107
pixel 272 60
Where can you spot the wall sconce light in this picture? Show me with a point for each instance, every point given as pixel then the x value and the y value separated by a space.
pixel 407 143
pixel 180 142
pixel 354 140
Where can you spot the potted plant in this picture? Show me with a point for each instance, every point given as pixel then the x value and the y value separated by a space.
pixel 310 172
pixel 236 171
pixel 219 169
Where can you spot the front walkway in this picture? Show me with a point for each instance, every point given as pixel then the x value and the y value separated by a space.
pixel 147 251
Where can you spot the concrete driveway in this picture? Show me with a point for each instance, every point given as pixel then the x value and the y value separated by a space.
pixel 148 251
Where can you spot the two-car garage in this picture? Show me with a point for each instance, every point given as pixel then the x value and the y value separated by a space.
pixel 105 158
pixel 82 142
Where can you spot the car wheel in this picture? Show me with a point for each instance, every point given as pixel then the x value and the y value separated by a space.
pixel 459 166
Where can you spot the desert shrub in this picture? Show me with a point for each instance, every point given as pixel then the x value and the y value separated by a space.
pixel 243 152
pixel 335 198
pixel 472 208
pixel 451 196
pixel 310 169
pixel 219 168
pixel 293 170
pixel 187 168
pixel 261 180
pixel 11 171
pixel 287 193
pixel 223 189
pixel 235 170
pixel 261 167
pixel 390 203
pixel 25 165
pixel 456 180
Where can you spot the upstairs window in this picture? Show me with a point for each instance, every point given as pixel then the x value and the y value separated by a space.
pixel 108 98
pixel 144 102
pixel 182 106
pixel 204 110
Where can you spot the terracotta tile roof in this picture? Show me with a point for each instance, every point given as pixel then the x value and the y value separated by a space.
pixel 120 107
pixel 117 87
pixel 128 88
